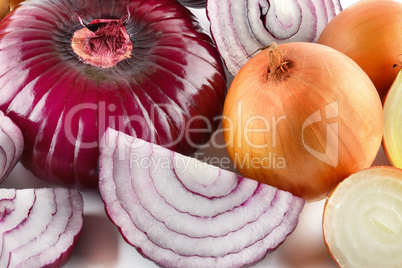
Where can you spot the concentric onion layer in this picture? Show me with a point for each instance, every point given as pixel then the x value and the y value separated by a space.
pixel 363 219
pixel 172 85
pixel 11 145
pixel 39 227
pixel 181 212
pixel 240 27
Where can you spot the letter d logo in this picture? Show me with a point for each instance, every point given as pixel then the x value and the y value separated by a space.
pixel 330 156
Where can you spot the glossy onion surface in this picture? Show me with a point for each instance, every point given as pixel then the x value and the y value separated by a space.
pixel 181 212
pixel 368 33
pixel 302 118
pixel 172 85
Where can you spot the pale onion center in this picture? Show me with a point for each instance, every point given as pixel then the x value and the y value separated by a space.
pixel 102 43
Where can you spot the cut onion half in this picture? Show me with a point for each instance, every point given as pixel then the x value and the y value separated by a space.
pixel 240 27
pixel 11 145
pixel 39 227
pixel 180 212
pixel 362 220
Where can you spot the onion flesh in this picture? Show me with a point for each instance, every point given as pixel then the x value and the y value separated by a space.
pixel 180 212
pixel 39 227
pixel 392 141
pixel 240 27
pixel 362 220
pixel 11 145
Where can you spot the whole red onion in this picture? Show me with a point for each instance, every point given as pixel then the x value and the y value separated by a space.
pixel 71 68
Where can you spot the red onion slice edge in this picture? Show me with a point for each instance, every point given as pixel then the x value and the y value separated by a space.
pixel 11 145
pixel 240 27
pixel 166 234
pixel 39 227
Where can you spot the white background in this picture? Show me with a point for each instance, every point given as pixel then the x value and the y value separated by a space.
pixel 101 245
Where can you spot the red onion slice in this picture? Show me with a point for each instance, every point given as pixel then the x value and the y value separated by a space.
pixel 11 145
pixel 39 227
pixel 240 27
pixel 180 212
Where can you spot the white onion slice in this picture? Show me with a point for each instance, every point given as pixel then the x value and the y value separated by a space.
pixel 362 220
pixel 240 27
pixel 39 227
pixel 180 212
pixel 11 145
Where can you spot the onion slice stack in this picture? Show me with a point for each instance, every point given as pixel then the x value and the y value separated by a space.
pixel 11 145
pixel 240 27
pixel 39 227
pixel 180 212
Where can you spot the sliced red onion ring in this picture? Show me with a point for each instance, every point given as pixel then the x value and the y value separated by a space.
pixel 240 27
pixel 39 227
pixel 11 145
pixel 180 212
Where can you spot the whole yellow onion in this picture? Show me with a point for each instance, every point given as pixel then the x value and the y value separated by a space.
pixel 302 117
pixel 369 33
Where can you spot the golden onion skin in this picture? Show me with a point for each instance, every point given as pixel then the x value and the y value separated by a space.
pixel 305 126
pixel 368 32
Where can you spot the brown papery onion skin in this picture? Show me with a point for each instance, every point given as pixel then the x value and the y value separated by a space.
pixel 15 3
pixel 4 8
pixel 369 33
pixel 274 107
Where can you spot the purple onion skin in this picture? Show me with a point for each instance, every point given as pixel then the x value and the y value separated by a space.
pixel 63 106
pixel 194 3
